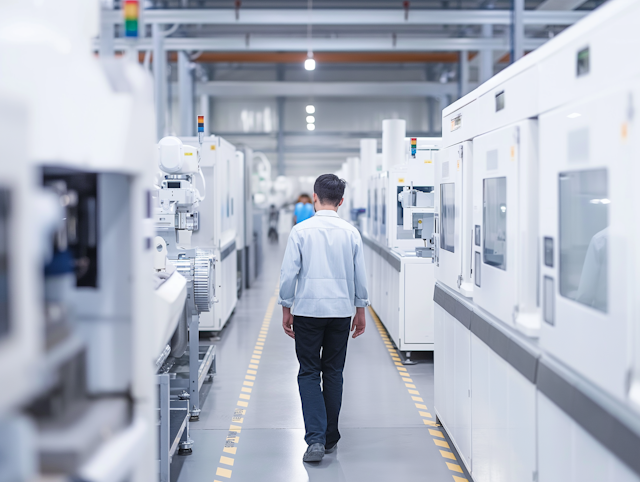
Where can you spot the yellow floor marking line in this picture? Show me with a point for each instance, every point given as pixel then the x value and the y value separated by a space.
pixel 447 455
pixel 223 472
pixel 427 418
pixel 230 445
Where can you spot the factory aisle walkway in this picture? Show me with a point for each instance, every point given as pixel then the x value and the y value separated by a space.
pixel 251 427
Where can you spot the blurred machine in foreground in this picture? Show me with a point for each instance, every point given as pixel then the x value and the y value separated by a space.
pixel 78 399
pixel 537 313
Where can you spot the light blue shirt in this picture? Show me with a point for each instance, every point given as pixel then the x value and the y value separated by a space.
pixel 323 274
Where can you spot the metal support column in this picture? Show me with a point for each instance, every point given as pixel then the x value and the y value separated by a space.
pixel 159 78
pixel 463 77
pixel 280 101
pixel 280 106
pixel 185 94
pixel 486 56
pixel 194 366
pixel 445 101
pixel 517 31
pixel 107 34
pixel 165 411
pixel 431 114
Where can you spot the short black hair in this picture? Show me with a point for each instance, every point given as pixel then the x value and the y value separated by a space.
pixel 329 189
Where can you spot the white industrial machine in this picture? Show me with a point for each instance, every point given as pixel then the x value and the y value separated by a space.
pixel 244 206
pixel 218 218
pixel 399 238
pixel 247 245
pixel 588 278
pixel 76 269
pixel 548 343
pixel 177 218
pixel 413 186
pixel 454 222
pixel 505 231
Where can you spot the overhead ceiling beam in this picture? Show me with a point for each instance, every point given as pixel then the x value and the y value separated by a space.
pixel 558 5
pixel 389 17
pixel 333 44
pixel 324 89
pixel 323 57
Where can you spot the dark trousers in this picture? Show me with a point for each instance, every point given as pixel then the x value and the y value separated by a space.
pixel 321 346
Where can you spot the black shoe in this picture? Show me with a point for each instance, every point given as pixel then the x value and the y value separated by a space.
pixel 314 453
pixel 331 448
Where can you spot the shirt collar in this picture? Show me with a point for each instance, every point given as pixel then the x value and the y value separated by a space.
pixel 327 212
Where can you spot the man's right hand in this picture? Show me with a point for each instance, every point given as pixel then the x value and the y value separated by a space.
pixel 359 323
pixel 287 322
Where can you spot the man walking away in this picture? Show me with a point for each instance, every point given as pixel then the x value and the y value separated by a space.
pixel 322 283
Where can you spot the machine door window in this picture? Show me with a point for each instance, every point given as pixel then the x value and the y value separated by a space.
pixel 384 208
pixel 375 205
pixel 494 195
pixel 448 216
pixel 584 221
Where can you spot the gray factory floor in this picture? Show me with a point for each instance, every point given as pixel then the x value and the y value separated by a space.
pixel 251 426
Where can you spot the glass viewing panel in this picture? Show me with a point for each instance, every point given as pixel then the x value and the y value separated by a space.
pixel 448 216
pixel 584 218
pixel 384 208
pixel 375 205
pixel 494 218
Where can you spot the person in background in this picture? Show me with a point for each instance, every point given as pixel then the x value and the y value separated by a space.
pixel 322 285
pixel 303 210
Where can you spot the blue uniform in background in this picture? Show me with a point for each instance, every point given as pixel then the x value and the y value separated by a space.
pixel 303 211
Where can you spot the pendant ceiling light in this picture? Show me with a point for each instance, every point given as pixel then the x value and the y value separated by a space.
pixel 309 63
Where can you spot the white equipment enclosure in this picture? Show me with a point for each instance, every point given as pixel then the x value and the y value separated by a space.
pixel 218 220
pixel 537 333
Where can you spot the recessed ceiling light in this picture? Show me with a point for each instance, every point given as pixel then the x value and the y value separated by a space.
pixel 574 115
pixel 311 109
pixel 311 127
pixel 310 119
pixel 310 64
